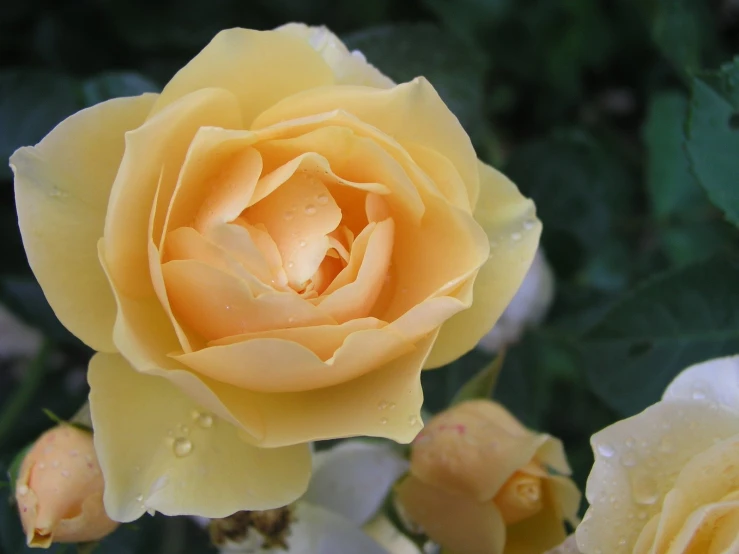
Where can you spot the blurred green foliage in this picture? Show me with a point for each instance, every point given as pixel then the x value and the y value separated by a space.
pixel 619 118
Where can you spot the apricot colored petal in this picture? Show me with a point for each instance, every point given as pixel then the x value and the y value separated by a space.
pixel 230 307
pixel 259 67
pixel 350 68
pixel 149 170
pixel 359 407
pixel 710 529
pixel 62 187
pixel 215 473
pixel 354 478
pixel 411 112
pixel 509 220
pixel 356 299
pixel 211 151
pixel 666 436
pixel 713 381
pixel 539 532
pixel 323 340
pixel 279 365
pixel 353 158
pixel 458 523
pixel 443 174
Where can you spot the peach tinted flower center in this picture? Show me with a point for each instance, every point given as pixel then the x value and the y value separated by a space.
pixel 520 497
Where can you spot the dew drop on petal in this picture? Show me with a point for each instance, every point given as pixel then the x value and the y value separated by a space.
pixel 310 209
pixel 606 450
pixel 22 490
pixel 322 199
pixel 383 421
pixel 516 236
pixel 302 244
pixel 182 447
pixel 529 224
pixel 289 215
pixel 205 421
pixel 140 498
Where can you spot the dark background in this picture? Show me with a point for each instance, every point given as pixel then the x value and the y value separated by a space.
pixel 593 107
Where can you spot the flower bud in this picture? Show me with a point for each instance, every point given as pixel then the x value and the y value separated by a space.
pixel 59 490
pixel 480 482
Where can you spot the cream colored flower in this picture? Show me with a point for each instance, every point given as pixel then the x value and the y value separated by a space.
pixel 59 490
pixel 666 481
pixel 481 483
pixel 265 254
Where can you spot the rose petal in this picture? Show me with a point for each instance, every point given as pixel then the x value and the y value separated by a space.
pixel 245 63
pixel 278 365
pixel 354 477
pixel 458 523
pixel 206 471
pixel 539 532
pixel 410 113
pixel 350 68
pixel 61 189
pixel 714 381
pixel 513 233
pixel 152 161
pixel 637 461
pixel 230 307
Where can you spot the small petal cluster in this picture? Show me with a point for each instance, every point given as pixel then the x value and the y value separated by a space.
pixel 667 480
pixel 59 490
pixel 481 483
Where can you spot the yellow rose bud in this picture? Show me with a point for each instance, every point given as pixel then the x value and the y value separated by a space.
pixel 279 243
pixel 59 490
pixel 667 479
pixel 480 482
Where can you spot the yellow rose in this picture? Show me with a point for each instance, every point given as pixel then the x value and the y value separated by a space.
pixel 265 254
pixel 59 490
pixel 481 483
pixel 667 480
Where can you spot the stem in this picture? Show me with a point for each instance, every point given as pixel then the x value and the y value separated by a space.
pixel 23 394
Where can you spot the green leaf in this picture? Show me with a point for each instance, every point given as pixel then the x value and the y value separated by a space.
pixel 482 384
pixel 583 194
pixel 681 29
pixel 670 184
pixel 406 51
pixel 713 140
pixel 115 84
pixel 678 319
pixel 32 102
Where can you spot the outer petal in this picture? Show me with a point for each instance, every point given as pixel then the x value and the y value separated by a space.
pixel 714 381
pixel 411 113
pixel 350 68
pixel 157 453
pixel 62 186
pixel 354 477
pixel 510 222
pixel 259 67
pixel 458 523
pixel 637 461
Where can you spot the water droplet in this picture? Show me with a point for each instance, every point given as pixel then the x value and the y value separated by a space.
pixel 516 236
pixel 291 320
pixel 302 244
pixel 630 443
pixel 140 498
pixel 289 215
pixel 322 199
pixel 413 420
pixel 310 209
pixel 606 450
pixel 182 447
pixel 628 459
pixel 42 465
pixel 699 394
pixel 529 224
pixel 383 421
pixel 22 490
pixel 205 421
pixel 151 511
pixel 643 488
pixel 382 405
pixel 65 473
pixel 392 405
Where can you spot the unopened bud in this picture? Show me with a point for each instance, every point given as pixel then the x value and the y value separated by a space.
pixel 521 496
pixel 59 490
